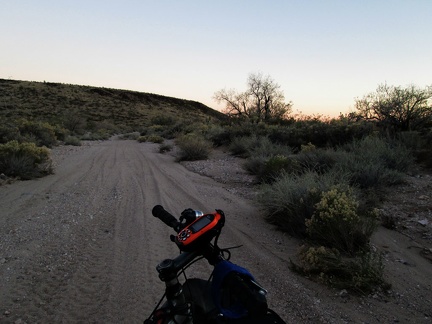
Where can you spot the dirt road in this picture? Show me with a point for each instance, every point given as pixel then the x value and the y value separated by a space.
pixel 81 246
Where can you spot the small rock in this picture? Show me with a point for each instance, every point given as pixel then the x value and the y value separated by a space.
pixel 3 176
pixel 423 197
pixel 343 293
pixel 6 313
pixel 423 222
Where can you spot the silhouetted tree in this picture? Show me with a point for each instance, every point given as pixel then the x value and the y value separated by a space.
pixel 397 108
pixel 262 101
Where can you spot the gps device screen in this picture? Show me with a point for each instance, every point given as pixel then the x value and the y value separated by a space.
pixel 201 223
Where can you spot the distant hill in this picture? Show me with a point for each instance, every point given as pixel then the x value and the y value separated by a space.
pixel 55 102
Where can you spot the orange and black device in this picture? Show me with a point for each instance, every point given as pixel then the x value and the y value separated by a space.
pixel 200 231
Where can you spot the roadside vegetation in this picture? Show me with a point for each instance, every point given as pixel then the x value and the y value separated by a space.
pixel 319 179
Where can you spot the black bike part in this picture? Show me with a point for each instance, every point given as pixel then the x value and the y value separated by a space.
pixel 242 291
pixel 169 268
pixel 187 217
pixel 159 212
pixel 198 293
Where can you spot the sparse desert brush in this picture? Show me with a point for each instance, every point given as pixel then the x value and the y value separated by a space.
pixel 151 138
pixel 291 199
pixel 155 139
pixel 264 159
pixel 361 274
pixel 163 148
pixel 41 133
pixel 193 147
pixel 268 169
pixel 246 146
pixel 142 138
pixel 218 135
pixel 336 222
pixel 24 160
pixel 375 162
pixel 72 140
pixel 317 160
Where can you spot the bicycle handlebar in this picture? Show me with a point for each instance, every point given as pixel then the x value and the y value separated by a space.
pixel 159 212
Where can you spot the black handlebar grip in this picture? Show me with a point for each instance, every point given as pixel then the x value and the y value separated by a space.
pixel 159 212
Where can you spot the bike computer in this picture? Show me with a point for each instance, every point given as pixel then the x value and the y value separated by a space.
pixel 203 229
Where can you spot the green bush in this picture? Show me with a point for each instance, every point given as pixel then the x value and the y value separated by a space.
pixel 163 120
pixel 155 139
pixel 243 146
pixel 291 199
pixel 72 140
pixel 317 160
pixel 24 160
pixel 9 132
pixel 374 162
pixel 218 135
pixel 40 133
pixel 336 222
pixel 151 138
pixel 163 148
pixel 268 169
pixel 193 147
pixel 263 158
pixel 361 274
pixel 100 135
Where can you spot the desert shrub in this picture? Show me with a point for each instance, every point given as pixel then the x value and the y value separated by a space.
pixel 163 120
pixel 321 132
pixel 155 139
pixel 412 140
pixel 374 162
pixel 40 133
pixel 361 274
pixel 315 159
pixel 151 138
pixel 9 132
pixel 218 135
pixel 99 135
pixel 290 200
pixel 175 130
pixel 72 140
pixel 193 147
pixel 336 222
pixel 264 159
pixel 392 154
pixel 163 148
pixel 61 133
pixel 268 169
pixel 24 160
pixel 243 146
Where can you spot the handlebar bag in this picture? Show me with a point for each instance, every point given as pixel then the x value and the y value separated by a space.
pixel 225 295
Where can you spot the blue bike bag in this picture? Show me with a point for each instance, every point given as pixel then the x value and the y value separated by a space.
pixel 235 292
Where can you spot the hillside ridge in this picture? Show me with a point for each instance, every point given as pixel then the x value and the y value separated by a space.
pixel 52 102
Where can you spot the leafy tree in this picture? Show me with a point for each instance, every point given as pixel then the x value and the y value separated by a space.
pixel 397 108
pixel 262 101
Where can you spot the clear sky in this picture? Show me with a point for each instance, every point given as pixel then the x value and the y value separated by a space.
pixel 323 53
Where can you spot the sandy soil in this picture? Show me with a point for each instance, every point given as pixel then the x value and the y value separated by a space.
pixel 81 246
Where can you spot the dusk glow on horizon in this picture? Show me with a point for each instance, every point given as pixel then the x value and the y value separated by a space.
pixel 323 54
